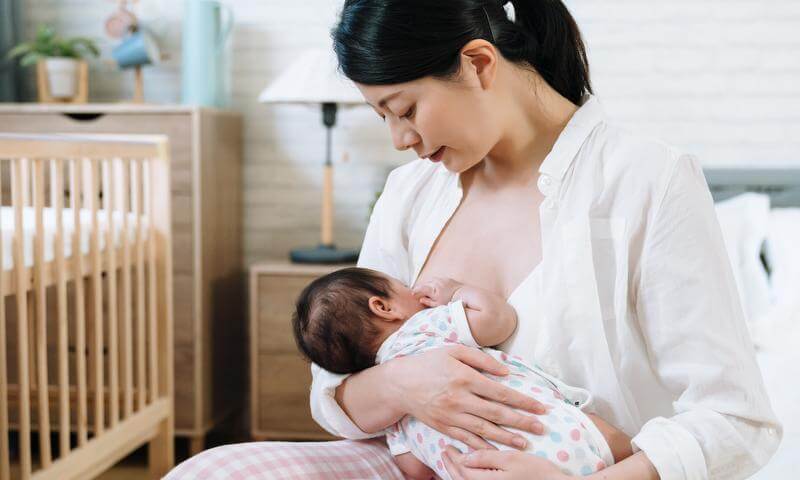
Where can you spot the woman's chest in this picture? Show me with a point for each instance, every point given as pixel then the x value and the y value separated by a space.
pixel 489 244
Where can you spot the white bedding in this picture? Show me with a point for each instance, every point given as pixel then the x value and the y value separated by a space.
pixel 781 370
pixel 49 220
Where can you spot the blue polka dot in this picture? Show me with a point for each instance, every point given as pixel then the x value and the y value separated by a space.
pixel 515 383
pixel 569 419
pixel 541 453
pixel 555 436
pixel 433 448
pixel 586 470
pixel 443 326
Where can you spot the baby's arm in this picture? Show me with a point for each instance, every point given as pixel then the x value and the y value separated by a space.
pixel 413 468
pixel 491 319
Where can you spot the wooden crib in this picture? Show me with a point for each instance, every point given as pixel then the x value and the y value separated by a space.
pixel 85 304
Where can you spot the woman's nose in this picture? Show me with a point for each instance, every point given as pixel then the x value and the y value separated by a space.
pixel 404 138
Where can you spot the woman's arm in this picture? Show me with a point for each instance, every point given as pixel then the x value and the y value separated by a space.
pixel 691 320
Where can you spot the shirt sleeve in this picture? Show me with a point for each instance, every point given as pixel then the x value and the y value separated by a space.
pixel 691 319
pixel 324 408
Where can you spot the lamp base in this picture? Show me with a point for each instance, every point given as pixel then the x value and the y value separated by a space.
pixel 323 254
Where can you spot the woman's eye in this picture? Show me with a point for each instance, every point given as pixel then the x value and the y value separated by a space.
pixel 409 113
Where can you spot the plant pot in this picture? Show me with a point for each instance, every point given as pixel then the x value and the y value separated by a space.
pixel 62 76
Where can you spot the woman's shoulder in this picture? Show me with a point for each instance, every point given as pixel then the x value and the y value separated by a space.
pixel 634 161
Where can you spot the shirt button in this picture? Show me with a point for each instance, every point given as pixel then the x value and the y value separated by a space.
pixel 544 183
pixel 550 204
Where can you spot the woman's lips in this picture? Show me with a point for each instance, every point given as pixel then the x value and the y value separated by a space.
pixel 437 157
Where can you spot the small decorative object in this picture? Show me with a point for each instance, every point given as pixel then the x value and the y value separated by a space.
pixel 121 21
pixel 138 47
pixel 206 27
pixel 61 73
pixel 313 79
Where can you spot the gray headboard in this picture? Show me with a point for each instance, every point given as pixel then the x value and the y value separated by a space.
pixel 781 184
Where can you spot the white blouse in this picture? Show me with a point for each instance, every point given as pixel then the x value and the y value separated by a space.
pixel 639 304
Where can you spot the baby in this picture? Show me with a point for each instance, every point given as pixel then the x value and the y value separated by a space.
pixel 353 318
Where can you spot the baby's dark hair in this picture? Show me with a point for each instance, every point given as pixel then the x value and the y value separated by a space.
pixel 333 323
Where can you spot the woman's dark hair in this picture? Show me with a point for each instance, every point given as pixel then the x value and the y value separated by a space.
pixel 382 42
pixel 333 324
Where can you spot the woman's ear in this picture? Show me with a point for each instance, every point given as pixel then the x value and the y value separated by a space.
pixel 479 59
pixel 383 309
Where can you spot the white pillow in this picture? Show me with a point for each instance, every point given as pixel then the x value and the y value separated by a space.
pixel 744 220
pixel 782 250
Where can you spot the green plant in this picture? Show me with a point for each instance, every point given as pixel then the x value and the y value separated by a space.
pixel 48 44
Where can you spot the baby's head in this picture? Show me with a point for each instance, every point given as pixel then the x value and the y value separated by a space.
pixel 341 319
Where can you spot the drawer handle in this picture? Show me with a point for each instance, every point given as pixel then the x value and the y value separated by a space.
pixel 84 117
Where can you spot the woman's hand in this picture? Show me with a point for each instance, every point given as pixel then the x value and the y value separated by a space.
pixel 499 465
pixel 442 389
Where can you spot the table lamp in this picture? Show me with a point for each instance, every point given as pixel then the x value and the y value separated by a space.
pixel 313 79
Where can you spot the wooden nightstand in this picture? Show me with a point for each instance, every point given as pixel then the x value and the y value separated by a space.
pixel 280 379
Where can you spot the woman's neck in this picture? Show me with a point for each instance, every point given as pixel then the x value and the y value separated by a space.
pixel 534 115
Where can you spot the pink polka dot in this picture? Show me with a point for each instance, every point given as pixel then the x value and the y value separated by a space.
pixel 504 357
pixel 536 390
pixel 575 434
pixel 419 438
pixel 452 337
pixel 562 455
pixel 424 327
pixel 441 443
pixel 439 465
pixel 600 466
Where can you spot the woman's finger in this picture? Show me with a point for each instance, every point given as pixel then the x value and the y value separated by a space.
pixel 498 392
pixel 489 431
pixel 502 415
pixel 468 438
pixel 478 360
pixel 494 459
pixel 453 459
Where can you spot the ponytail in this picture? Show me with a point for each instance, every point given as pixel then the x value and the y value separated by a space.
pixel 544 35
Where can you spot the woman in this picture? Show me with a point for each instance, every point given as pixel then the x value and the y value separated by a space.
pixel 606 244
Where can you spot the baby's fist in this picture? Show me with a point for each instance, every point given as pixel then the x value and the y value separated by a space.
pixel 436 291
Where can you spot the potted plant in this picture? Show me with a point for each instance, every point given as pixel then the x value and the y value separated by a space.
pixel 60 59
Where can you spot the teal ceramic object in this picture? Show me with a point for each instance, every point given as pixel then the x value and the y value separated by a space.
pixel 206 26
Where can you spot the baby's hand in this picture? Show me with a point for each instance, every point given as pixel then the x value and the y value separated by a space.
pixel 436 291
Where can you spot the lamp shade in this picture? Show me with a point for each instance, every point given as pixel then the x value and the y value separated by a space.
pixel 312 78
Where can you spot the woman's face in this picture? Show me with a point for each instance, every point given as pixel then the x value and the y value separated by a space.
pixel 428 114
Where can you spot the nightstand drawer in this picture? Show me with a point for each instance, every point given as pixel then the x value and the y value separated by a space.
pixel 280 379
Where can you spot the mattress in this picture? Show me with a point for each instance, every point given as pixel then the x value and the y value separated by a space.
pixel 7 223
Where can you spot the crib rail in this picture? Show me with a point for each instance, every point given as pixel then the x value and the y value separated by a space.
pixel 85 304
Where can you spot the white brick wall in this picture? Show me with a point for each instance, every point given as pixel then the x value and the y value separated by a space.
pixel 720 78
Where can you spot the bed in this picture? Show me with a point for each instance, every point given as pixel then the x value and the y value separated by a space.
pixel 770 221
pixel 85 304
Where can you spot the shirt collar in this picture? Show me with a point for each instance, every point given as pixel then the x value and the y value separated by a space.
pixel 569 142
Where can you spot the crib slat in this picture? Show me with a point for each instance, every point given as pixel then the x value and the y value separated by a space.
pixel 127 345
pixel 76 187
pixel 22 322
pixel 140 285
pixel 57 182
pixel 147 176
pixel 5 461
pixel 109 192
pixel 40 295
pixel 96 295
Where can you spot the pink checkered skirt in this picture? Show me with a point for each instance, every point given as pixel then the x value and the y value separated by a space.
pixel 339 460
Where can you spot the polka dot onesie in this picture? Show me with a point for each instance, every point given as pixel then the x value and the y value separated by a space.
pixel 571 440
